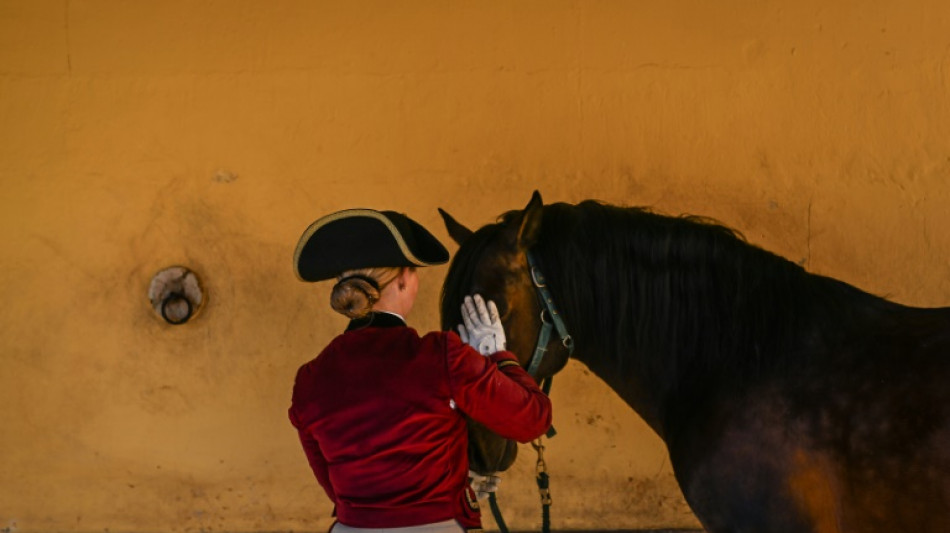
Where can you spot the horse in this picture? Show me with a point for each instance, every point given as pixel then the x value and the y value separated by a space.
pixel 788 401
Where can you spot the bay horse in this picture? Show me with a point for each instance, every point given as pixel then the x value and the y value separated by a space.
pixel 788 401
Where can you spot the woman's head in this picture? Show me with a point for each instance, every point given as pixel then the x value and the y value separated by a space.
pixel 373 255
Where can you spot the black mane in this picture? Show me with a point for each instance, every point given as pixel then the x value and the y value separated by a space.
pixel 682 299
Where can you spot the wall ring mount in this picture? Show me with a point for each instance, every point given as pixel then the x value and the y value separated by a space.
pixel 176 295
pixel 176 309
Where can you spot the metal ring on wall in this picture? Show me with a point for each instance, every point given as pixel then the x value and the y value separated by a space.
pixel 176 295
pixel 172 310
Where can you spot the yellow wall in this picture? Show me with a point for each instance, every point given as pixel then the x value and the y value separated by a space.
pixel 136 135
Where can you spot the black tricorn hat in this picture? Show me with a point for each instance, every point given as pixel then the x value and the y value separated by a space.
pixel 364 238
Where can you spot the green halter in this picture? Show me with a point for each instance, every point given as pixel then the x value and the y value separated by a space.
pixel 553 321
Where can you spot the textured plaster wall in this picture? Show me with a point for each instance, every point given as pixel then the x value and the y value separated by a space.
pixel 138 135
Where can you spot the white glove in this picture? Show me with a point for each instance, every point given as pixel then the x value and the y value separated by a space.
pixel 482 327
pixel 483 485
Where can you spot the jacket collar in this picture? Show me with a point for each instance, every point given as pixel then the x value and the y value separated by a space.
pixel 377 319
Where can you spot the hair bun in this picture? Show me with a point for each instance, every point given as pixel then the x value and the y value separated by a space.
pixel 354 296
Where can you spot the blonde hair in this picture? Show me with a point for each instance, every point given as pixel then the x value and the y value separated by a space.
pixel 356 291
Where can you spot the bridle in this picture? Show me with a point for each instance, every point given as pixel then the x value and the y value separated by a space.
pixel 553 322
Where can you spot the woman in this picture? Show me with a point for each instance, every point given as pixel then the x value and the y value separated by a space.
pixel 381 411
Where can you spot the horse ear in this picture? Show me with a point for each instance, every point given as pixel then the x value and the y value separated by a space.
pixel 530 222
pixel 457 231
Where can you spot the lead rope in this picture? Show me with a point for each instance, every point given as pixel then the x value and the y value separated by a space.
pixel 544 482
pixel 543 488
pixel 496 513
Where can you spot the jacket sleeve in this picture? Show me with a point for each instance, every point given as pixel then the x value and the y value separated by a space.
pixel 496 391
pixel 317 462
pixel 311 448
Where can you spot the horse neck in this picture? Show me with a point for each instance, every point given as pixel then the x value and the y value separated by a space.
pixel 663 330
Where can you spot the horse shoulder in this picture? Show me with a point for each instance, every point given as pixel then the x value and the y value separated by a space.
pixel 741 470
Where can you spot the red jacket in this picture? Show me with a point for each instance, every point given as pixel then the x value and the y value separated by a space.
pixel 380 415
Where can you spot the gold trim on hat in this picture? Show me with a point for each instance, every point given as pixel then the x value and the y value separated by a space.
pixel 348 213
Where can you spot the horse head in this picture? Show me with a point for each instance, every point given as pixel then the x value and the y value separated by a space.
pixel 493 262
